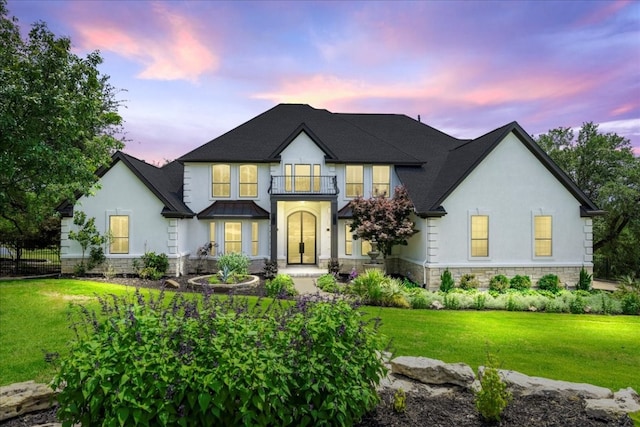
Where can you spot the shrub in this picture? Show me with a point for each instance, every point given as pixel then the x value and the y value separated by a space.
pixel 219 361
pixel 279 286
pixel 499 283
pixel 631 304
pixel 418 298
pixel 451 301
pixel 392 294
pixel 328 283
pixel 493 397
pixel 520 283
pixel 480 301
pixel 235 262
pixel 584 280
pixel 270 269
pixel 400 400
pixel 446 281
pixel 578 305
pixel 409 284
pixel 549 282
pixel 154 266
pixel 368 285
pixel 469 281
pixel 629 294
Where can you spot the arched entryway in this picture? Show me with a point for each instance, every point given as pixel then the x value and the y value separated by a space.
pixel 301 238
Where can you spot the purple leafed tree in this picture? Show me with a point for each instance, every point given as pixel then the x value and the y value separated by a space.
pixel 385 220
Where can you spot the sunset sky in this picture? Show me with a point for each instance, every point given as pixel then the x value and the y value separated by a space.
pixel 193 70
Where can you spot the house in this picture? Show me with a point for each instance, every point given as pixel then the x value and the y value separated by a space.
pixel 278 187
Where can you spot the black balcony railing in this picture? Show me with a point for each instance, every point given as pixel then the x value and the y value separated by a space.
pixel 297 184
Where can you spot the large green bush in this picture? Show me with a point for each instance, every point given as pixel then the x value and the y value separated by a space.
pixel 220 362
pixel 469 281
pixel 499 283
pixel 520 283
pixel 328 283
pixel 154 266
pixel 550 282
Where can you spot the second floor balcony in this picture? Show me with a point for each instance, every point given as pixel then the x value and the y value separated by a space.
pixel 303 184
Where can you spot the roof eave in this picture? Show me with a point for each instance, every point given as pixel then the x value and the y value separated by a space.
pixel 586 212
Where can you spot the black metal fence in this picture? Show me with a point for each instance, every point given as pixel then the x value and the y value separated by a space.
pixel 28 258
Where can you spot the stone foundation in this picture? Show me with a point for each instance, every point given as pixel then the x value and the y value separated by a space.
pixel 567 275
pixel 119 266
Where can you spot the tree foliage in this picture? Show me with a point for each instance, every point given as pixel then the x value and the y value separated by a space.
pixel 58 122
pixel 385 220
pixel 604 167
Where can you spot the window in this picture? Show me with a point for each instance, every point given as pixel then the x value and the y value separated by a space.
pixel 212 233
pixel 119 230
pixel 381 180
pixel 232 237
pixel 479 235
pixel 348 240
pixel 543 227
pixel 288 171
pixel 302 178
pixel 248 180
pixel 221 180
pixel 254 239
pixel 365 247
pixel 354 180
pixel 316 178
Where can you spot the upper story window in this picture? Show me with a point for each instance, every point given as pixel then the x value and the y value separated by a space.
pixel 354 180
pixel 302 181
pixel 221 180
pixel 119 232
pixel 381 180
pixel 479 235
pixel 248 180
pixel 543 231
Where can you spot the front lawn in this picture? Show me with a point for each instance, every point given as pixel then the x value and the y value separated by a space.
pixel 602 350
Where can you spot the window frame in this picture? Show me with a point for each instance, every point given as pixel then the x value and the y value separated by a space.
pixel 229 242
pixel 485 238
pixel 375 184
pixel 351 187
pixel 220 184
pixel 116 238
pixel 243 185
pixel 535 239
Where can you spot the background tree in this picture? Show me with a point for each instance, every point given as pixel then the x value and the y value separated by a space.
pixel 58 121
pixel 385 220
pixel 604 167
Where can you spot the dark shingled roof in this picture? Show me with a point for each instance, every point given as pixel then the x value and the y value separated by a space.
pixel 165 183
pixel 430 163
pixel 233 208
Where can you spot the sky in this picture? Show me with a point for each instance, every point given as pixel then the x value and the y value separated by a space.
pixel 190 71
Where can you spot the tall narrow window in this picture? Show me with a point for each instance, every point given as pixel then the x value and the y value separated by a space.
pixel 248 181
pixel 221 180
pixel 543 227
pixel 479 235
pixel 254 238
pixel 365 247
pixel 348 240
pixel 288 171
pixel 232 237
pixel 354 180
pixel 302 178
pixel 381 180
pixel 316 178
pixel 119 231
pixel 212 235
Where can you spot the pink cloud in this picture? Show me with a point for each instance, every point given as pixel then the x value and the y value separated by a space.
pixel 173 52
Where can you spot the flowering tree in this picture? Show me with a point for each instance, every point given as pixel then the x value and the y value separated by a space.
pixel 385 220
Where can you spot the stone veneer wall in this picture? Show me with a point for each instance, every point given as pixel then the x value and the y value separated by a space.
pixel 568 275
pixel 177 266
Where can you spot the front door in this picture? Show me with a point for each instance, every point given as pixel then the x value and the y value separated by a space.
pixel 301 238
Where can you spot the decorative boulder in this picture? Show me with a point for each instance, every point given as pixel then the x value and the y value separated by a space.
pixel 21 398
pixel 170 283
pixel 433 371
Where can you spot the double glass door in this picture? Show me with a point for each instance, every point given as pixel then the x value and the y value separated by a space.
pixel 301 238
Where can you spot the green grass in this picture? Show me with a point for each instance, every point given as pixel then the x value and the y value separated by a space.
pixel 601 350
pixel 595 349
